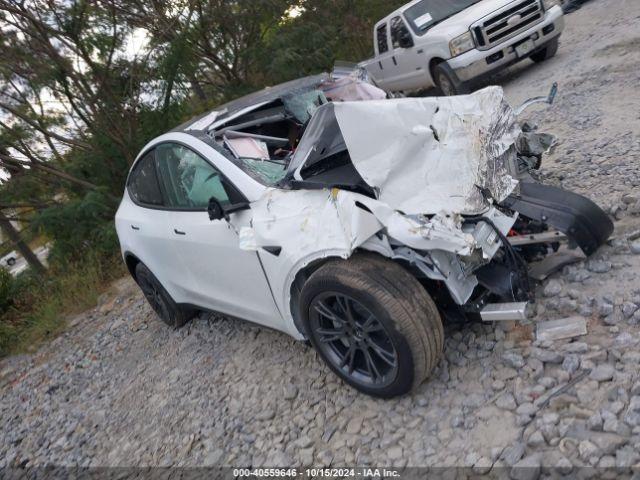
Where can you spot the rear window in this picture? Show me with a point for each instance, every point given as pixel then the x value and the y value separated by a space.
pixel 143 182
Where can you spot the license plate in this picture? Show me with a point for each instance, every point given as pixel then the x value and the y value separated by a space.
pixel 524 49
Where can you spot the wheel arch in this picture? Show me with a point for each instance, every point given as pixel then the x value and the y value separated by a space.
pixel 131 261
pixel 308 267
pixel 299 279
pixel 435 61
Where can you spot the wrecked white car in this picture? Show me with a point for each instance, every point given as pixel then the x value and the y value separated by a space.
pixel 357 225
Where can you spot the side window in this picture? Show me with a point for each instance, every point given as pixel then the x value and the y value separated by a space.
pixel 381 34
pixel 398 31
pixel 189 181
pixel 143 182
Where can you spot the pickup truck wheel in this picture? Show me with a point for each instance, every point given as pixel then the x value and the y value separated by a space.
pixel 372 323
pixel 11 262
pixel 167 310
pixel 448 82
pixel 545 54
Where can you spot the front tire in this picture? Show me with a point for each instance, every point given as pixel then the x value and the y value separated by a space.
pixel 546 53
pixel 448 82
pixel 167 310
pixel 372 323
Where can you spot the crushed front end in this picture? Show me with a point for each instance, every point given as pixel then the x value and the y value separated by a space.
pixel 440 184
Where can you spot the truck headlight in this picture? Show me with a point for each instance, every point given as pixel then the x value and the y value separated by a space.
pixel 550 3
pixel 461 44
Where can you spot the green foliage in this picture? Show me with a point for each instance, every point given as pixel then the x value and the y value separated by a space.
pixel 80 226
pixel 7 285
pixel 40 306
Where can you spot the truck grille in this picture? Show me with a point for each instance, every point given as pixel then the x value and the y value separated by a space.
pixel 507 22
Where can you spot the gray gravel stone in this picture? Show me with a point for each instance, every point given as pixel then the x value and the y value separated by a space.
pixel 552 288
pixel 526 469
pixel 632 415
pixel 628 309
pixel 513 359
pixel 571 363
pixel 602 373
pixel 547 356
pixel 627 457
pixel 598 266
pixel 506 402
pixel 512 454
pixel 595 422
pixel 589 452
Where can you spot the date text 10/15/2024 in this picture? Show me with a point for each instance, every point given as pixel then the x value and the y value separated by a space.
pixel 316 473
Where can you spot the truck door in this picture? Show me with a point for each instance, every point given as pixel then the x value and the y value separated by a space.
pixel 382 63
pixel 409 68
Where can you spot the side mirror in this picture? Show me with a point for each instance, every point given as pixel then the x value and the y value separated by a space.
pixel 215 210
pixel 405 40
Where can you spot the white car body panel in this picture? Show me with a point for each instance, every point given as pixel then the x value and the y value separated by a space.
pixel 168 254
pixel 220 276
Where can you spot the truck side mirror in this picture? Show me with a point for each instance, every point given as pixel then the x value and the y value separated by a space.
pixel 405 40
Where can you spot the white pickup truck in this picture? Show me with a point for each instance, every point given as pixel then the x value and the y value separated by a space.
pixel 447 43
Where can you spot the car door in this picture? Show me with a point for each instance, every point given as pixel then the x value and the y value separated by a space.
pixel 408 71
pixel 222 277
pixel 382 63
pixel 143 222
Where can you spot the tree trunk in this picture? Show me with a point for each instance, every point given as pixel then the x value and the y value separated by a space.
pixel 9 230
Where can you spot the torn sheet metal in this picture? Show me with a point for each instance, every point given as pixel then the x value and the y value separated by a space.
pixel 426 155
pixel 351 88
pixel 204 122
pixel 533 144
pixel 423 155
pixel 305 223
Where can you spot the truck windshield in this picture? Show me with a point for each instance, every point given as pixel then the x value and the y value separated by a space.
pixel 425 14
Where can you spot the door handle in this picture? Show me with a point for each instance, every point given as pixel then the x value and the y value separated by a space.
pixel 178 232
pixel 380 65
pixel 393 57
pixel 134 227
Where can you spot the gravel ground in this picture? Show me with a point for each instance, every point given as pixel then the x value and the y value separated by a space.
pixel 120 389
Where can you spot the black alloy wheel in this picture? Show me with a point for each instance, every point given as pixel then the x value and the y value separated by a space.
pixel 353 339
pixel 161 302
pixel 154 296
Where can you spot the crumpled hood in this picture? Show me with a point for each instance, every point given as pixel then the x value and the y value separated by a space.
pixel 423 155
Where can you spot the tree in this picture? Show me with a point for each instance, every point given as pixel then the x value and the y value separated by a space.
pixel 10 231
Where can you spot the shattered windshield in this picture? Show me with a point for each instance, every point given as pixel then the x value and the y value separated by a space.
pixel 427 13
pixel 267 172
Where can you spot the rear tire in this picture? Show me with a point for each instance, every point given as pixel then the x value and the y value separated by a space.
pixel 546 53
pixel 448 82
pixel 167 310
pixel 372 323
pixel 11 262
